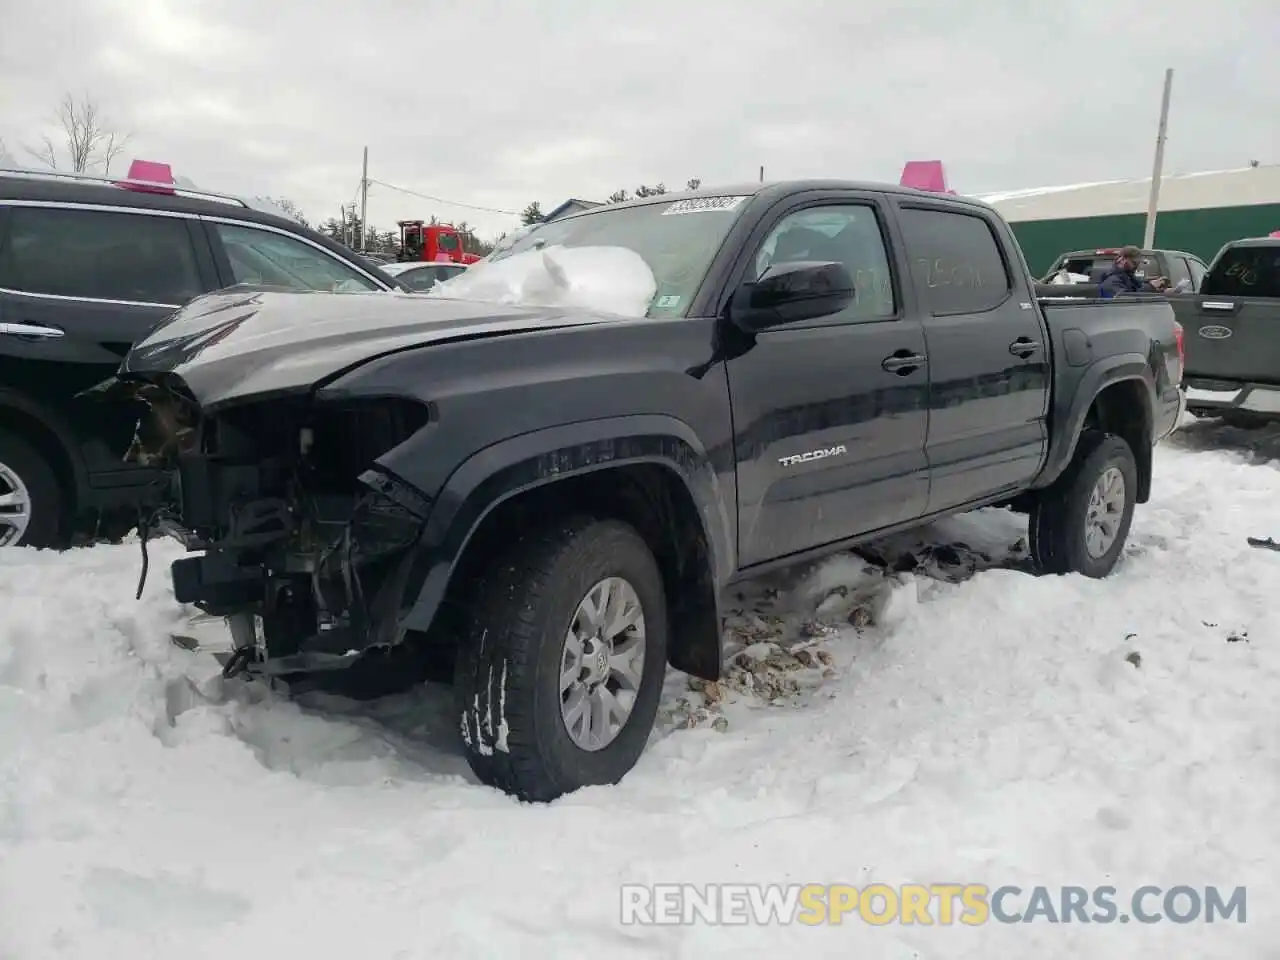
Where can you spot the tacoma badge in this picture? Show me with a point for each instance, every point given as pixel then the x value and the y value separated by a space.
pixel 813 455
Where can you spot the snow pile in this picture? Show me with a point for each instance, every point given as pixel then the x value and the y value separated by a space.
pixel 608 279
pixel 927 712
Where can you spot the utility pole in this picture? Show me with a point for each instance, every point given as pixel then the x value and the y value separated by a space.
pixel 364 201
pixel 762 174
pixel 1153 201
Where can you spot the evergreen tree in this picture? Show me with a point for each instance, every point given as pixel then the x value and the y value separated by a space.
pixel 531 214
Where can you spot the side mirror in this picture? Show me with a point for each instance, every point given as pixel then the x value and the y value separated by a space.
pixel 790 293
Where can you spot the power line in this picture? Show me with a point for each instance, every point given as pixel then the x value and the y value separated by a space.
pixel 450 203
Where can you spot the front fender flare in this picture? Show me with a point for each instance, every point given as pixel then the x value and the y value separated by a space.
pixel 505 469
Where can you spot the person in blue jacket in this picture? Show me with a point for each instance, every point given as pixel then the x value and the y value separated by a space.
pixel 1122 277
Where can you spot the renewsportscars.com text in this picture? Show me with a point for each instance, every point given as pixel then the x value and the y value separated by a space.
pixel 970 904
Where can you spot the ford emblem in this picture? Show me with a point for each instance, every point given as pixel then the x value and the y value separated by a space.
pixel 1215 332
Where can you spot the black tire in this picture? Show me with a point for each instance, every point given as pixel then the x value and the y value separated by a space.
pixel 518 619
pixel 45 528
pixel 1059 516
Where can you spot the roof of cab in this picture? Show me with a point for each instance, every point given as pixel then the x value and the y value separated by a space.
pixel 782 188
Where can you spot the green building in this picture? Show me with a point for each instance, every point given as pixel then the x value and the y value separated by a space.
pixel 1198 213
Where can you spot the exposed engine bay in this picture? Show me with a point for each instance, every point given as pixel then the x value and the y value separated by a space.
pixel 299 539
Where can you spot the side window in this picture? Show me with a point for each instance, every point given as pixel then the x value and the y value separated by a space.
pixel 99 255
pixel 1179 272
pixel 957 261
pixel 848 234
pixel 448 241
pixel 421 279
pixel 1198 270
pixel 261 257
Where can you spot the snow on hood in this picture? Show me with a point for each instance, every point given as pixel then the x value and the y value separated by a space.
pixel 607 279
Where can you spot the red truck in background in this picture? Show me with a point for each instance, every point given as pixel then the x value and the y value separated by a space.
pixel 436 243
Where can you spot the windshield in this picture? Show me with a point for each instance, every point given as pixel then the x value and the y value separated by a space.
pixel 1245 272
pixel 678 239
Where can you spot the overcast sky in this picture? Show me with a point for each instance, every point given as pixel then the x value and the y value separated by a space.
pixel 500 102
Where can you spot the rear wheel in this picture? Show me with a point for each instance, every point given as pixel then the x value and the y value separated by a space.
pixel 1081 522
pixel 560 674
pixel 30 496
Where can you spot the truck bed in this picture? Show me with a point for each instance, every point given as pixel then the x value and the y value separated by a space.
pixel 1085 328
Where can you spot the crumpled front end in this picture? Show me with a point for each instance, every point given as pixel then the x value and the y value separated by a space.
pixel 298 537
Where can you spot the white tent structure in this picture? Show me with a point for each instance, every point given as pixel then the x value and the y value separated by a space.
pixel 1217 189
pixel 1198 213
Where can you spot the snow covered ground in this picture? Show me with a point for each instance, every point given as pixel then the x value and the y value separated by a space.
pixel 962 722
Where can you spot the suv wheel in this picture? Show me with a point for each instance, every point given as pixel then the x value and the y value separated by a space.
pixel 559 678
pixel 30 497
pixel 1081 522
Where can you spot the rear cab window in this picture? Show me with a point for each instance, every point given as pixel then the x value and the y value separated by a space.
pixel 1094 265
pixel 958 264
pixel 1245 271
pixel 99 255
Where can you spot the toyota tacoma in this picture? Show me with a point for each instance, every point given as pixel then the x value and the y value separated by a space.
pixel 554 498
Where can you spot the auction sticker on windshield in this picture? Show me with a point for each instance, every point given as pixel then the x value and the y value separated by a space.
pixel 703 205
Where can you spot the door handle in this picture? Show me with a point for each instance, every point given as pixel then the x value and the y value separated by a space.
pixel 36 330
pixel 903 362
pixel 1023 347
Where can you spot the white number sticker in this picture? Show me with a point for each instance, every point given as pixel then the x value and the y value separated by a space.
pixel 702 205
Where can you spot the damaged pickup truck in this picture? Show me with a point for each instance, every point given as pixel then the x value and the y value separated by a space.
pixel 552 498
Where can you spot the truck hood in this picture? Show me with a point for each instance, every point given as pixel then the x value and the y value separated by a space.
pixel 249 343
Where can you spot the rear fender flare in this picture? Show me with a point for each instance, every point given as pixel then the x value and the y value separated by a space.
pixel 513 466
pixel 1096 378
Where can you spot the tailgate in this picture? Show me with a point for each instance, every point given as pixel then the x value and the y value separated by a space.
pixel 1230 338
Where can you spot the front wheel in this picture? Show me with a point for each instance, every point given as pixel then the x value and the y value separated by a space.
pixel 1080 523
pixel 562 667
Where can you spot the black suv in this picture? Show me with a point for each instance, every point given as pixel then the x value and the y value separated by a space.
pixel 87 267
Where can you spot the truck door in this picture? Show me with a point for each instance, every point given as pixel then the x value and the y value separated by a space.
pixel 988 353
pixel 830 413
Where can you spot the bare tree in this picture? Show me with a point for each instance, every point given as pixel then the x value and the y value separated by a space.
pixel 288 208
pixel 86 135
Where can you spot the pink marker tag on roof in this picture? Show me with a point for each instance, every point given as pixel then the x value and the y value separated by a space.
pixel 154 174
